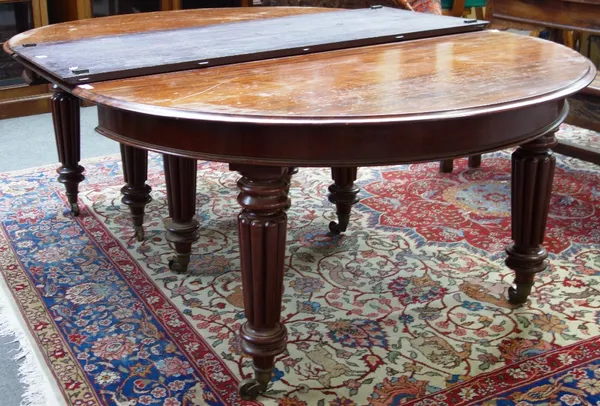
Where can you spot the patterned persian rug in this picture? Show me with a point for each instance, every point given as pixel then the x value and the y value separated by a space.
pixel 407 308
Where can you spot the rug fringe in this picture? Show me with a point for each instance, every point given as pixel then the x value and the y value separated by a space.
pixel 38 389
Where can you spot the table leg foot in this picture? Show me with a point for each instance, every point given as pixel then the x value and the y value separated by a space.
pixel 179 263
pixel 475 161
pixel 139 233
pixel 251 388
pixel 65 114
pixel 447 165
pixel 532 173
pixel 526 263
pixel 136 193
pixel 344 194
pixel 75 208
pixel 182 227
pixel 262 227
pixel 519 294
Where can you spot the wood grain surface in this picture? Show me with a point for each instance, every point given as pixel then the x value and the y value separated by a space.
pixel 119 56
pixel 433 78
pixel 570 15
pixel 419 100
pixel 146 22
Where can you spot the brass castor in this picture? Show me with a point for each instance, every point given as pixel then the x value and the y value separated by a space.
pixel 75 209
pixel 335 228
pixel 139 233
pixel 179 264
pixel 519 294
pixel 250 388
pixel 341 225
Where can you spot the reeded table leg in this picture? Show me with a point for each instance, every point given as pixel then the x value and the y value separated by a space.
pixel 136 193
pixel 343 193
pixel 182 226
pixel 291 171
pixel 65 113
pixel 262 227
pixel 532 173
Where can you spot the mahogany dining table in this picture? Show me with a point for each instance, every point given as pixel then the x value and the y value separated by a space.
pixel 396 103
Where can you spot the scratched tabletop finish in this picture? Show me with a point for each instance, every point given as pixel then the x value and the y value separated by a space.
pixel 87 60
pixel 465 72
pixel 456 75
pixel 152 21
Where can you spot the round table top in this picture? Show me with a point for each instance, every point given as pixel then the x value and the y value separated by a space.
pixel 445 76
pixel 413 101
pixel 448 76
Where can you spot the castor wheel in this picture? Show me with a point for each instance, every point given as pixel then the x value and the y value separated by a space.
pixel 75 209
pixel 178 265
pixel 335 228
pixel 519 294
pixel 139 233
pixel 249 389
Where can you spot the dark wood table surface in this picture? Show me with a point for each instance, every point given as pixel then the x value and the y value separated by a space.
pixel 416 101
pixel 578 15
pixel 582 16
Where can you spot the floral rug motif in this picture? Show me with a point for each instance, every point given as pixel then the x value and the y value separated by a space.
pixel 583 137
pixel 407 307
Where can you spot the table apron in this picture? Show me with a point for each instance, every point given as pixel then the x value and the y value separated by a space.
pixel 317 145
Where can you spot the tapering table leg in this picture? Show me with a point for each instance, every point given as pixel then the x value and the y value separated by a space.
pixel 182 226
pixel 475 161
pixel 65 114
pixel 136 193
pixel 344 194
pixel 532 173
pixel 262 225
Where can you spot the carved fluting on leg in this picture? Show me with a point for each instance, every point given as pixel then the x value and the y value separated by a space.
pixel 291 171
pixel 344 194
pixel 65 114
pixel 262 226
pixel 182 226
pixel 532 173
pixel 136 193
